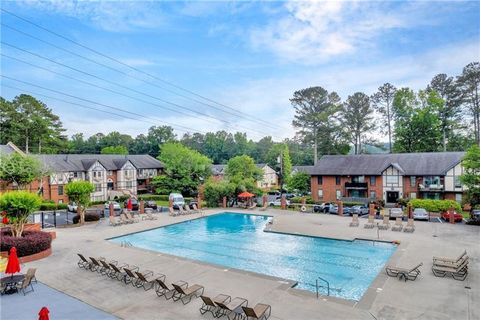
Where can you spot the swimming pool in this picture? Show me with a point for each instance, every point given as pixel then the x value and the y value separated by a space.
pixel 238 241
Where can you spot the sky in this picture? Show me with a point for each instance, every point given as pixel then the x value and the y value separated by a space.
pixel 206 66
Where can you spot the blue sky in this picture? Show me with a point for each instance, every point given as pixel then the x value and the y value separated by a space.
pixel 250 56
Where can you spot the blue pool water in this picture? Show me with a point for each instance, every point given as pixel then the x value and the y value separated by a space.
pixel 238 241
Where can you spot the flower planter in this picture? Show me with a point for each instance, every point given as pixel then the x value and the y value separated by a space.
pixel 32 257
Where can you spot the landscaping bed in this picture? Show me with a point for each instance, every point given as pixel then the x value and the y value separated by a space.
pixel 31 242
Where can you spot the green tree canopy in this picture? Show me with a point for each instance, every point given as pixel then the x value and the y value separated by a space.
pixel 357 118
pixel 299 182
pixel 471 175
pixel 115 150
pixel 241 168
pixel 79 192
pixel 185 170
pixel 382 102
pixel 20 169
pixel 19 205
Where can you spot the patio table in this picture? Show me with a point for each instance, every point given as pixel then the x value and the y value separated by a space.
pixel 10 283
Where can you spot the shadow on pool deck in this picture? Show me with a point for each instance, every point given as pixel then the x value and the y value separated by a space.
pixel 60 305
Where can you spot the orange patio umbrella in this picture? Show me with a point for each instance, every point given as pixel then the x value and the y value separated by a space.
pixel 245 195
pixel 13 265
pixel 129 204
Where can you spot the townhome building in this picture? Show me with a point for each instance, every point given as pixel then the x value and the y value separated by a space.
pixel 112 175
pixel 387 177
pixel 268 180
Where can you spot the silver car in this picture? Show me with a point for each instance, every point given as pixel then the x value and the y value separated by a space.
pixel 396 213
pixel 420 214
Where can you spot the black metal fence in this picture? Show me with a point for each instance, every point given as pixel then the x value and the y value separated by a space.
pixel 58 218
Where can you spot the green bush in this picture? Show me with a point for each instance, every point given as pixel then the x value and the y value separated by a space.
pixel 215 191
pixel 308 200
pixel 88 217
pixel 159 197
pixel 435 205
pixel 352 203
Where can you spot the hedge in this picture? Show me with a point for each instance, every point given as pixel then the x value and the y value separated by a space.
pixel 45 206
pixel 435 205
pixel 88 217
pixel 160 197
pixel 308 200
pixel 29 243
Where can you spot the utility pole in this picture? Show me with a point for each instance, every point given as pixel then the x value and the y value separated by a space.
pixel 280 161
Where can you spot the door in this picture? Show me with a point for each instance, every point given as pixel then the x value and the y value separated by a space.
pixel 392 196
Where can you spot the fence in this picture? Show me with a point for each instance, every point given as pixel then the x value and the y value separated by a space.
pixel 58 218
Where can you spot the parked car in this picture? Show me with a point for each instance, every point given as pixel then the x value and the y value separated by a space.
pixel 116 205
pixel 323 207
pixel 475 215
pixel 420 214
pixel 395 213
pixel 72 207
pixel 360 210
pixel 333 209
pixel 135 204
pixel 278 202
pixel 347 210
pixel 177 200
pixel 151 204
pixel 456 216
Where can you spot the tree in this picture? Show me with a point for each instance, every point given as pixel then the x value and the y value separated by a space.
pixel 20 170
pixel 469 82
pixel 357 118
pixel 185 169
pixel 30 123
pixel 79 192
pixel 19 205
pixel 315 119
pixel 382 102
pixel 448 106
pixel 285 165
pixel 241 168
pixel 471 176
pixel 299 182
pixel 115 150
pixel 215 191
pixel 157 136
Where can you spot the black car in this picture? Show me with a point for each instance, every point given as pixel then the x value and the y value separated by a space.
pixel 151 204
pixel 135 204
pixel 192 203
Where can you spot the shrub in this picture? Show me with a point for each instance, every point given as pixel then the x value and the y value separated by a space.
pixel 435 205
pixel 19 205
pixel 158 197
pixel 88 217
pixel 215 191
pixel 50 205
pixel 308 200
pixel 29 243
pixel 352 203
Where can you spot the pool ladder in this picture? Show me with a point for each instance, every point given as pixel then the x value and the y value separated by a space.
pixel 318 286
pixel 126 244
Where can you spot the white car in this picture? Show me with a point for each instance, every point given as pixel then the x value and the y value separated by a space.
pixel 420 214
pixel 72 207
pixel 116 205
pixel 278 202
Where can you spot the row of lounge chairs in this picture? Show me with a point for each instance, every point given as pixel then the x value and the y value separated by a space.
pixel 126 218
pixel 456 267
pixel 221 305
pixel 184 210
pixel 398 226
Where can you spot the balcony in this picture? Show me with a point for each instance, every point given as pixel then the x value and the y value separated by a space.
pixel 356 185
pixel 431 187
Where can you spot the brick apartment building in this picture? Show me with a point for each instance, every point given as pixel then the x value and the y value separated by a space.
pixel 389 177
pixel 112 175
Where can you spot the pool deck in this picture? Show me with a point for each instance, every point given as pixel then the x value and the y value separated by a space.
pixel 428 297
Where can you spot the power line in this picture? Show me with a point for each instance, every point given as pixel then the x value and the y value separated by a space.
pixel 237 113
pixel 116 84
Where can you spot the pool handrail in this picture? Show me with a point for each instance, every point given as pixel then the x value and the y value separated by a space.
pixel 328 285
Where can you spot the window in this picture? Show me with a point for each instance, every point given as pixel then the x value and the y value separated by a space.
pixel 392 179
pixel 60 190
pixel 129 184
pixel 413 195
pixel 320 180
pixel 458 183
pixel 94 174
pixel 413 181
pixel 458 197
pixel 339 194
pixel 99 174
pixel 98 187
pixel 429 180
pixel 373 195
pixel 358 179
pixel 127 173
pixel 373 180
pixel 337 180
pixel 110 173
pixel 320 194
pixel 75 174
pixel 60 201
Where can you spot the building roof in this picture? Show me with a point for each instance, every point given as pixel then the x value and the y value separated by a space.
pixel 414 164
pixel 306 169
pixel 9 148
pixel 82 162
pixel 218 169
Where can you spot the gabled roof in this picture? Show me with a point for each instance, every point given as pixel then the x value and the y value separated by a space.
pixel 218 169
pixel 9 148
pixel 83 162
pixel 306 169
pixel 415 164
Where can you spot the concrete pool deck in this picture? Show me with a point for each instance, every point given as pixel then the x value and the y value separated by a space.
pixel 428 297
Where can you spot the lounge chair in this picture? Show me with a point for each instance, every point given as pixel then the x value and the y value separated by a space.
pixel 210 306
pixel 83 262
pixel 117 271
pixel 148 216
pixel 410 227
pixel 195 207
pixel 370 223
pixel 355 222
pixel 130 216
pixel 459 272
pixel 181 210
pixel 253 206
pixel 107 269
pixel 188 292
pixel 124 219
pixel 162 289
pixel 447 261
pixel 31 272
pixel 146 279
pixel 97 266
pixel 172 212
pixel 114 221
pixel 23 286
pixel 188 210
pixel 407 274
pixel 385 223
pixel 130 275
pixel 260 311
pixel 398 226
pixel 231 307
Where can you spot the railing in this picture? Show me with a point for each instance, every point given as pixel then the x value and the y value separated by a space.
pixel 356 185
pixel 317 286
pixel 432 187
pixel 126 244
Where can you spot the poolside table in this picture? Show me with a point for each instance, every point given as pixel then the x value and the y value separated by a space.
pixel 10 283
